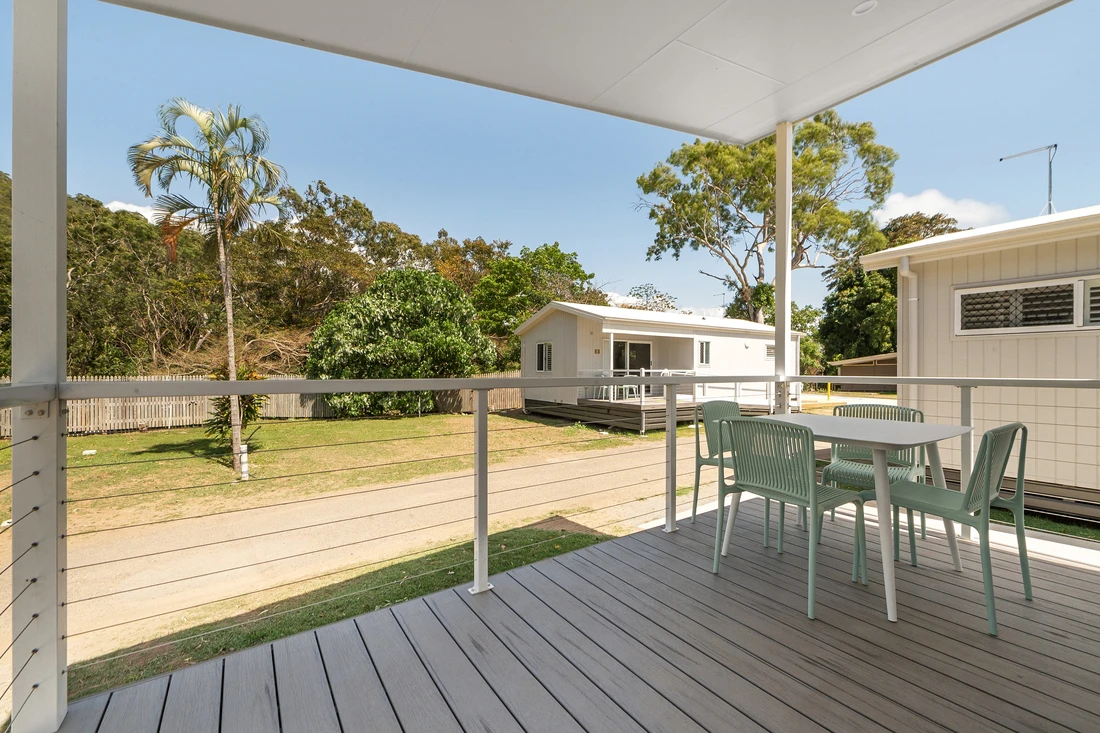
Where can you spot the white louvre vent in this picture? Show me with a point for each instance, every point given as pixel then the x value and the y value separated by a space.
pixel 1092 303
pixel 770 351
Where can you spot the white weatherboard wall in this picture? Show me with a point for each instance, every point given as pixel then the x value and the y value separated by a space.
pixel 560 329
pixel 1063 423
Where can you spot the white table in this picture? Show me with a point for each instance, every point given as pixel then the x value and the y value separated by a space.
pixel 883 436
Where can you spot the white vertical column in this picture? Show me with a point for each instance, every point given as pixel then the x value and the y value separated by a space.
pixel 38 355
pixel 784 184
pixel 481 492
pixel 670 457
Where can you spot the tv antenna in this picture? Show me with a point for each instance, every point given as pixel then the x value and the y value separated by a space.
pixel 1051 151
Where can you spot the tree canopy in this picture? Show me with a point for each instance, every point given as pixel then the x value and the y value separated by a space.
pixel 861 310
pixel 720 198
pixel 408 324
pixel 514 288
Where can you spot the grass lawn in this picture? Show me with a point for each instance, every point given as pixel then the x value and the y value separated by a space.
pixel 1085 530
pixel 433 571
pixel 292 459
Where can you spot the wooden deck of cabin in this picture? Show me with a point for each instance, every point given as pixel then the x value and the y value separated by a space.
pixel 636 634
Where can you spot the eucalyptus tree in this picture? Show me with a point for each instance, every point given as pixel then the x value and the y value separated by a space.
pixel 225 168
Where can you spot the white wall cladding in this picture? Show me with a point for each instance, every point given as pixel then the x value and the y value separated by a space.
pixel 1064 424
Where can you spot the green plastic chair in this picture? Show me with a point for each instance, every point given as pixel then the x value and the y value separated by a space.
pixel 971 507
pixel 708 414
pixel 852 465
pixel 776 460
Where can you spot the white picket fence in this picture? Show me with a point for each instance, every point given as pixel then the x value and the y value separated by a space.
pixel 121 414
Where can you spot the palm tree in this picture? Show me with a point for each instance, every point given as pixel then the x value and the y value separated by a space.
pixel 225 164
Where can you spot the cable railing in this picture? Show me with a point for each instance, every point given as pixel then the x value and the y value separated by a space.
pixel 161 549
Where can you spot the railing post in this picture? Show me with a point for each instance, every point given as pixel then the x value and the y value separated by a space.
pixel 670 457
pixel 38 656
pixel 481 492
pixel 966 457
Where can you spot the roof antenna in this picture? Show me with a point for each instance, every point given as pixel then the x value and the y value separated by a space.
pixel 1051 151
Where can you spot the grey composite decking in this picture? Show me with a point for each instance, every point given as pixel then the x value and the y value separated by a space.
pixel 635 634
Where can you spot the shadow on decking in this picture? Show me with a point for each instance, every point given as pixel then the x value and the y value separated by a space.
pixel 423 573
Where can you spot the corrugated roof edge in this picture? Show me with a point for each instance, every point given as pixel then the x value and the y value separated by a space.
pixel 603 312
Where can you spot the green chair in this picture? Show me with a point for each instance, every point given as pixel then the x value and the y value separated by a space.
pixel 852 465
pixel 776 460
pixel 711 413
pixel 971 507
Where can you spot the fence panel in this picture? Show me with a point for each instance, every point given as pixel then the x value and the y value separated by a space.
pixel 121 414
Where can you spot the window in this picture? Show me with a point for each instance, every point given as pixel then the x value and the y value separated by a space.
pixel 704 353
pixel 1053 305
pixel 544 356
pixel 769 351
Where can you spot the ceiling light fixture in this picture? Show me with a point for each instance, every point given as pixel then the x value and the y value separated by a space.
pixel 864 7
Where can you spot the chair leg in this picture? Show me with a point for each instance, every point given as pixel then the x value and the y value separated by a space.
pixel 897 534
pixel 953 544
pixel 820 526
pixel 811 581
pixel 695 498
pixel 802 517
pixel 923 533
pixel 987 577
pixel 912 539
pixel 1021 544
pixel 779 532
pixel 767 521
pixel 735 502
pixel 718 530
pixel 861 519
pixel 856 561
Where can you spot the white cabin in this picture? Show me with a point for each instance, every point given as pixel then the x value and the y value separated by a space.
pixel 575 340
pixel 1013 300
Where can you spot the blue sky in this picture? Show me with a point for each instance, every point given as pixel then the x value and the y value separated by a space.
pixel 429 153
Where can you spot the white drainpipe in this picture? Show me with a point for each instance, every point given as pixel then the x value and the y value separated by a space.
pixel 911 318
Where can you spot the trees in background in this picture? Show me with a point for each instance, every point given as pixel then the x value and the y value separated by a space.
pixel 226 162
pixel 805 319
pixel 465 263
pixel 513 289
pixel 720 198
pixel 647 297
pixel 861 310
pixel 408 324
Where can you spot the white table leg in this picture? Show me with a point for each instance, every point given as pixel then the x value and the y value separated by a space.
pixel 735 502
pixel 885 531
pixel 939 480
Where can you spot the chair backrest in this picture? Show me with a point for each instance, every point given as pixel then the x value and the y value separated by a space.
pixel 990 464
pixel 909 457
pixel 771 455
pixel 712 412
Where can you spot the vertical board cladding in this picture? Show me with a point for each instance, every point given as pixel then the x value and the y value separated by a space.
pixel 1062 423
pixel 560 329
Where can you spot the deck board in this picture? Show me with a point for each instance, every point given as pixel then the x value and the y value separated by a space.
pixel 361 701
pixel 636 634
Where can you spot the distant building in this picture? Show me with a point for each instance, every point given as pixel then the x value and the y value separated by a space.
pixel 880 365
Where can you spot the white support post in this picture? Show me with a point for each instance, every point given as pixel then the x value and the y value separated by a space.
pixel 611 361
pixel 784 184
pixel 670 457
pixel 39 692
pixel 966 457
pixel 481 493
pixel 244 461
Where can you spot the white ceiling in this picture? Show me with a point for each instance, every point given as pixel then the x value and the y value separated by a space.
pixel 724 69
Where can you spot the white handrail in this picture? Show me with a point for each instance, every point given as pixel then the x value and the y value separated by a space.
pixel 21 394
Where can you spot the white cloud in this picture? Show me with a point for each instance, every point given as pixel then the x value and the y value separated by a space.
pixel 618 299
pixel 969 212
pixel 146 211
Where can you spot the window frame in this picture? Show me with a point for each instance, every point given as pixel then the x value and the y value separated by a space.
pixel 540 346
pixel 704 350
pixel 1080 314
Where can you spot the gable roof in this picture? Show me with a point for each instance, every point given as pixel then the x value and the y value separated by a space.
pixel 1037 230
pixel 645 318
pixel 722 69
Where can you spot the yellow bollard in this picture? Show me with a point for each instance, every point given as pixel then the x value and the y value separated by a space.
pixel 828 391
